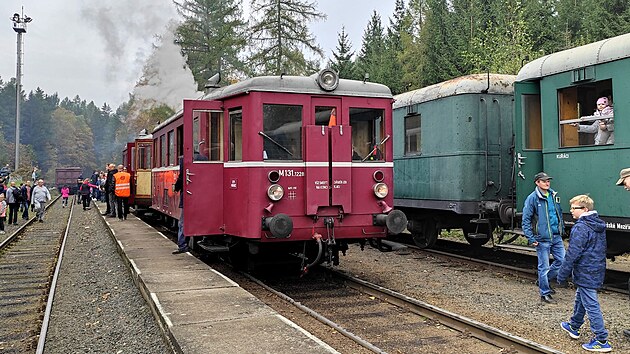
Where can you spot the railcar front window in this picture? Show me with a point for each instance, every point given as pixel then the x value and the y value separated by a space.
pixel 532 121
pixel 236 135
pixel 368 132
pixel 282 129
pixel 144 157
pixel 413 125
pixel 586 114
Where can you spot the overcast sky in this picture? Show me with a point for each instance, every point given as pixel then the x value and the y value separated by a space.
pixel 96 49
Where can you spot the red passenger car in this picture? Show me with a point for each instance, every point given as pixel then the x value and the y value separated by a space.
pixel 137 160
pixel 301 164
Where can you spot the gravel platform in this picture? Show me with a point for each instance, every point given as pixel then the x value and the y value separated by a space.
pixel 97 307
pixel 496 298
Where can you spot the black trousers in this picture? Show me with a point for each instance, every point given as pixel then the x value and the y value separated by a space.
pixel 13 212
pixel 86 201
pixel 122 202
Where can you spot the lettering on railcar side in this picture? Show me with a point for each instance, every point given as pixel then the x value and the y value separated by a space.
pixel 321 184
pixel 617 226
pixel 290 173
pixel 562 156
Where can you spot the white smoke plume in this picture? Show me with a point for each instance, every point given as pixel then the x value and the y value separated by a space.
pixel 166 77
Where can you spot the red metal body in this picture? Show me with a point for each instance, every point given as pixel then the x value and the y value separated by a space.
pixel 67 176
pixel 228 139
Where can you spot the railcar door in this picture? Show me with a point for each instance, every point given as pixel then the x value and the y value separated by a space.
pixel 327 155
pixel 203 167
pixel 528 137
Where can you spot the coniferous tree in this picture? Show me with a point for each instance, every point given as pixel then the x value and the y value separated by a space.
pixel 342 58
pixel 372 56
pixel 212 38
pixel 394 49
pixel 411 56
pixel 280 37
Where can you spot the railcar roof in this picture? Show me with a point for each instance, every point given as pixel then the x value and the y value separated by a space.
pixel 293 84
pixel 610 49
pixel 476 83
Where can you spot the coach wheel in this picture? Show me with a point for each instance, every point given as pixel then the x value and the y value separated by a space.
pixel 478 230
pixel 426 234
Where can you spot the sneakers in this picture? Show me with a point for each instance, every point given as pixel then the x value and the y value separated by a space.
pixel 574 333
pixel 547 299
pixel 2 232
pixel 597 346
pixel 180 251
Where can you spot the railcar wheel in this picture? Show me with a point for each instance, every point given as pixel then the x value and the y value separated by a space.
pixel 480 229
pixel 426 234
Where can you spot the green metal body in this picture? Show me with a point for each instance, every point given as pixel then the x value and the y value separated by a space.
pixel 464 165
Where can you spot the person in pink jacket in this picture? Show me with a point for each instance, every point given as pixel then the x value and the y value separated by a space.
pixel 65 193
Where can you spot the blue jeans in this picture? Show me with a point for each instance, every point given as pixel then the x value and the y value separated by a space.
pixel 546 272
pixel 181 240
pixel 586 303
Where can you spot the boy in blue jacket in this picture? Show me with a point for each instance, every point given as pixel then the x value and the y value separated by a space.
pixel 586 260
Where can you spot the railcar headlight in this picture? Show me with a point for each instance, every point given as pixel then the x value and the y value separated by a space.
pixel 381 190
pixel 327 79
pixel 275 192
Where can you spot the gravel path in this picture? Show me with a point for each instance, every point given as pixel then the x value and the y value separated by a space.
pixel 97 307
pixel 498 299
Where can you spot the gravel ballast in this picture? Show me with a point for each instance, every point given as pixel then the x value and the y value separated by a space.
pixel 97 307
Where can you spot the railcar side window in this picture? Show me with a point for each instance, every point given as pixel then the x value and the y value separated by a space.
pixel 532 121
pixel 282 126
pixel 163 160
pixel 585 114
pixel 413 127
pixel 171 148
pixel 236 134
pixel 368 131
pixel 215 136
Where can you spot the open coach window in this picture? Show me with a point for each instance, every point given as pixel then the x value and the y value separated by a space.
pixel 368 134
pixel 282 132
pixel 586 114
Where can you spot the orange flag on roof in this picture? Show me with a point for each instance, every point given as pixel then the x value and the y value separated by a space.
pixel 333 118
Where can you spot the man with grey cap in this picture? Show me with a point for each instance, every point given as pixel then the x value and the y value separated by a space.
pixel 625 182
pixel 543 227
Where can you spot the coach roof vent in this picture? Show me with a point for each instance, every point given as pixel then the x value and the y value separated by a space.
pixel 213 83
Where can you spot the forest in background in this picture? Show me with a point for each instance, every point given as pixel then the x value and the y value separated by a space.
pixel 421 43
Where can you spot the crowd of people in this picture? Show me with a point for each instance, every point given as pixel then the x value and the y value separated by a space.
pixel 17 200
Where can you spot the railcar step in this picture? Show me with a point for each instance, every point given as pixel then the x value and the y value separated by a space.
pixel 477 236
pixel 479 221
pixel 514 232
pixel 213 248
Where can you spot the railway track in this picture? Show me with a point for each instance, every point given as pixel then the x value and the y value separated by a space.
pixel 512 261
pixel 27 265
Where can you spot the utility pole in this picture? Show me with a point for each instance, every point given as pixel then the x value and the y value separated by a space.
pixel 19 26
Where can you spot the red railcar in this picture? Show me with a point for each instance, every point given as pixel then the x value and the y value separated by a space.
pixel 285 162
pixel 136 158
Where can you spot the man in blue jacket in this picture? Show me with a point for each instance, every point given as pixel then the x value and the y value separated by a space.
pixel 543 227
pixel 586 260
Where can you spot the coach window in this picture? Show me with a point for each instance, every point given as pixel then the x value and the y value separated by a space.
pixel 144 156
pixel 282 132
pixel 163 160
pixel 582 121
pixel 413 125
pixel 368 131
pixel 179 150
pixel 171 148
pixel 215 137
pixel 236 134
pixel 532 122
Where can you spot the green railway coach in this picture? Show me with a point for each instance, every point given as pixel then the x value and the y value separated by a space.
pixel 453 156
pixel 554 94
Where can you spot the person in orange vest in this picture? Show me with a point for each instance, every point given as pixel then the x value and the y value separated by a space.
pixel 122 189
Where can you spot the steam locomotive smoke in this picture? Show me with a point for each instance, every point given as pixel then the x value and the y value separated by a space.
pixel 143 29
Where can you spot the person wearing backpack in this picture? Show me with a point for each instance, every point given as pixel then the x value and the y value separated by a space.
pixel 14 199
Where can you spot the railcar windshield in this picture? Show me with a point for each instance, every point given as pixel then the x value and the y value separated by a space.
pixel 586 114
pixel 368 134
pixel 282 132
pixel 144 156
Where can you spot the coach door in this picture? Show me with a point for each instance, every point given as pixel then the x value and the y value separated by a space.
pixel 203 167
pixel 327 156
pixel 528 128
